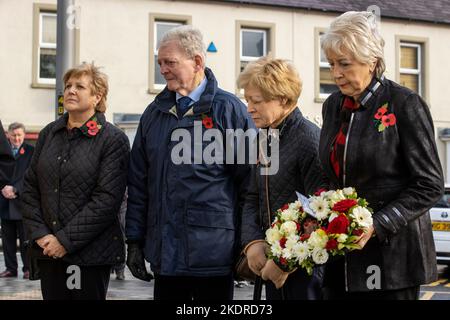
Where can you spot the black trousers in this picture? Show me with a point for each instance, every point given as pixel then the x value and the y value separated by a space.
pixel 298 286
pixel 11 229
pixel 411 293
pixel 193 288
pixel 62 281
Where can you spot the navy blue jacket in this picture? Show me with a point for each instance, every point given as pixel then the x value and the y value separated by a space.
pixel 186 215
pixel 9 208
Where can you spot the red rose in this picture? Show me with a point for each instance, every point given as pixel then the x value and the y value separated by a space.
pixel 380 113
pixel 389 120
pixel 284 207
pixel 318 192
pixel 357 232
pixel 304 237
pixel 338 225
pixel 207 122
pixel 298 226
pixel 283 242
pixel 343 205
pixel 331 244
pixel 283 261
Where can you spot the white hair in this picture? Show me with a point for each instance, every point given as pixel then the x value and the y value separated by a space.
pixel 189 39
pixel 357 33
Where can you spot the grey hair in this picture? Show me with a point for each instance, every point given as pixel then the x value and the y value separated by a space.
pixel 189 39
pixel 16 125
pixel 357 33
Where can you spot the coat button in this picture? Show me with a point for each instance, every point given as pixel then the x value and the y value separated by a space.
pixel 54 223
pixel 56 189
pixel 117 258
pixel 115 238
pixel 59 157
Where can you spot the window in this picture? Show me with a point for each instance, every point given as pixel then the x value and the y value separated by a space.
pixel 253 45
pixel 159 25
pixel 411 66
pixel 47 48
pixel 253 40
pixel 326 84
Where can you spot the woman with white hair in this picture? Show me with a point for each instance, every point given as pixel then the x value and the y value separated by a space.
pixel 378 137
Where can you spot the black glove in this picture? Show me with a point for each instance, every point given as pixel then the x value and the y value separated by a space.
pixel 136 263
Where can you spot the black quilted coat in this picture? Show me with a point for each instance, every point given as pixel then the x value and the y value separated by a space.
pixel 74 189
pixel 299 170
pixel 397 170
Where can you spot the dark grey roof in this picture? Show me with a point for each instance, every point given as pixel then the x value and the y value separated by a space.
pixel 435 11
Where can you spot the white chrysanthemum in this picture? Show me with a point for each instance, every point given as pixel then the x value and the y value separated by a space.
pixel 287 253
pixel 332 216
pixel 342 238
pixel 362 216
pixel 348 191
pixel 289 215
pixel 291 241
pixel 318 239
pixel 296 205
pixel 288 228
pixel 273 235
pixel 301 251
pixel 336 197
pixel 276 249
pixel 320 207
pixel 319 256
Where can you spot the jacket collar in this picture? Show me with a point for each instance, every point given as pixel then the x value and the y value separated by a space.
pixel 292 117
pixel 373 89
pixel 89 129
pixel 167 99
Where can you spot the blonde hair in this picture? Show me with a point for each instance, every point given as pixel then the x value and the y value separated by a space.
pixel 276 78
pixel 98 83
pixel 357 33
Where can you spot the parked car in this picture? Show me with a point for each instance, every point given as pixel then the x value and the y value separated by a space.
pixel 440 218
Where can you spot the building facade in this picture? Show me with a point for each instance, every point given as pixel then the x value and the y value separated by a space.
pixel 122 36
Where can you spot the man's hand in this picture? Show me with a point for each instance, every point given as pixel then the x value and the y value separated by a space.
pixel 273 273
pixel 52 247
pixel 256 256
pixel 8 192
pixel 136 263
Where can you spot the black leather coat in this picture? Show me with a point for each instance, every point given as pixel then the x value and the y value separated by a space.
pixel 74 188
pixel 398 171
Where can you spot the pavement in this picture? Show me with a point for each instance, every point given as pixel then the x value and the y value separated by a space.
pixel 134 289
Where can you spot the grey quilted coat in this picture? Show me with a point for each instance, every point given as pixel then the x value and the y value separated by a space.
pixel 74 189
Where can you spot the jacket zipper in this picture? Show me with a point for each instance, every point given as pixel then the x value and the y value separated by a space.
pixel 343 185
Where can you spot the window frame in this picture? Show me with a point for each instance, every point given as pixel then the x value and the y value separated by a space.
pixel 423 61
pixel 269 29
pixel 154 18
pixel 40 9
pixel 319 64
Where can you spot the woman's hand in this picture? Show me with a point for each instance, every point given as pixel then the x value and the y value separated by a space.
pixel 256 256
pixel 365 237
pixel 52 247
pixel 273 273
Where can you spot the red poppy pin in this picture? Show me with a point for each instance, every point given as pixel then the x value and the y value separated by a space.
pixel 383 119
pixel 22 150
pixel 93 127
pixel 207 121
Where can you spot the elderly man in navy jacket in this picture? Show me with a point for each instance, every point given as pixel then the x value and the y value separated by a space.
pixel 183 209
pixel 12 226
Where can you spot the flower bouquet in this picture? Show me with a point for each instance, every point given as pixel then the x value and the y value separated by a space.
pixel 342 217
pixel 284 237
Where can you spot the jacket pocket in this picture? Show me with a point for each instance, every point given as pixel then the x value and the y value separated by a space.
pixel 210 238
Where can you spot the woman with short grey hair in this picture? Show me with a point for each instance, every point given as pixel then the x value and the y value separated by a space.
pixel 378 137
